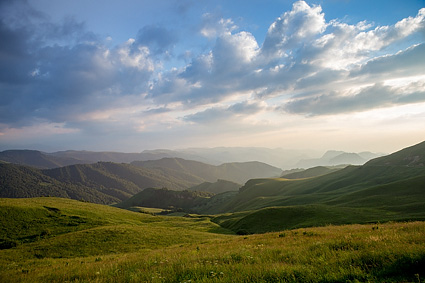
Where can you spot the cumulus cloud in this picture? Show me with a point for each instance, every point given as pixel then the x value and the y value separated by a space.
pixel 307 64
pixel 210 77
pixel 64 82
pixel 304 62
pixel 43 79
pixel 220 114
pixel 293 28
pixel 232 53
pixel 403 63
pixel 376 96
pixel 157 38
pixel 212 26
pixel 344 45
pixel 134 56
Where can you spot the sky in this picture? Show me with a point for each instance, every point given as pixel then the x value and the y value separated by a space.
pixel 133 75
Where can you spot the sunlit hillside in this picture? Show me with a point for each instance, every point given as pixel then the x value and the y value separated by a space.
pixel 58 240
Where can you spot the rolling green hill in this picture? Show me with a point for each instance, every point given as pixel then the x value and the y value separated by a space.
pixel 166 199
pixel 218 187
pixel 260 193
pixel 395 201
pixel 108 182
pixel 118 179
pixel 202 198
pixel 56 228
pixel 410 156
pixel 385 189
pixel 312 172
pixel 292 217
pixel 355 194
pixel 103 182
pixel 26 182
pixel 62 240
pixel 238 172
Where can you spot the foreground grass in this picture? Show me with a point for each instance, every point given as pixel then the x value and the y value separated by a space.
pixel 144 248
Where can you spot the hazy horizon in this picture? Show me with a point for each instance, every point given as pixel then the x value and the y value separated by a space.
pixel 133 75
pixel 309 152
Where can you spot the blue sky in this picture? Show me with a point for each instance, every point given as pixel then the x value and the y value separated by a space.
pixel 135 75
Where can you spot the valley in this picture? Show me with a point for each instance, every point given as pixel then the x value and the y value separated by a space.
pixel 175 220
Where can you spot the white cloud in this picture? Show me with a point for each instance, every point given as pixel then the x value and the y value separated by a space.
pixel 135 56
pixel 210 77
pixel 403 63
pixel 306 66
pixel 293 28
pixel 233 53
pixel 346 45
pixel 371 97
pixel 383 36
pixel 212 26
pixel 226 114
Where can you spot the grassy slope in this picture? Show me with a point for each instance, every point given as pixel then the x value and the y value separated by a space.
pixel 212 205
pixel 300 216
pixel 352 195
pixel 312 172
pixel 218 187
pixel 199 199
pixel 260 193
pixel 410 156
pixel 94 243
pixel 103 182
pixel 107 182
pixel 125 177
pixel 386 188
pixel 24 182
pixel 164 198
pixel 55 227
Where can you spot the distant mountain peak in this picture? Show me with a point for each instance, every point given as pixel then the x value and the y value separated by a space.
pixel 331 154
pixel 336 157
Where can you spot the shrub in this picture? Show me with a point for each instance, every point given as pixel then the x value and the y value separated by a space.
pixel 242 232
pixel 7 244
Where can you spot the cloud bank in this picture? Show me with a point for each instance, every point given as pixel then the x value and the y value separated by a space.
pixel 308 65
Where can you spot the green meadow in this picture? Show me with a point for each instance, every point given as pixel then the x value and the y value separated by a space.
pixel 62 240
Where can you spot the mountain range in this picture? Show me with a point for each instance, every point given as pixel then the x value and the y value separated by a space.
pixel 333 157
pixel 285 159
pixel 311 172
pixel 238 172
pixel 386 188
pixel 108 182
pixel 18 181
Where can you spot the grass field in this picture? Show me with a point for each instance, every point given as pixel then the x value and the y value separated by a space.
pixel 60 240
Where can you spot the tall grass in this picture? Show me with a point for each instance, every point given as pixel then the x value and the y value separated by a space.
pixel 391 252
